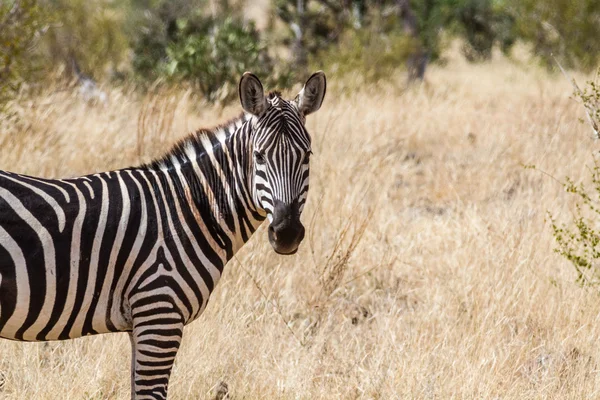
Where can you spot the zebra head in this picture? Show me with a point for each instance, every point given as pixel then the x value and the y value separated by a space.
pixel 281 149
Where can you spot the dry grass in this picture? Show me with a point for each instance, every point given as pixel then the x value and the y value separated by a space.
pixel 427 271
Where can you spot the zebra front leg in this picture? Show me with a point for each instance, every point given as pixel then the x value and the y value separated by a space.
pixel 154 343
pixel 132 365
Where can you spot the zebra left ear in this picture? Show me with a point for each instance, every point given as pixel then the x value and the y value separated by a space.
pixel 312 94
pixel 252 95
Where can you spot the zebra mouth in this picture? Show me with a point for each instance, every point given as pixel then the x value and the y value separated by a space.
pixel 286 254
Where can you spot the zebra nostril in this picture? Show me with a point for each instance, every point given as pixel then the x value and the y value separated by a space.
pixel 272 232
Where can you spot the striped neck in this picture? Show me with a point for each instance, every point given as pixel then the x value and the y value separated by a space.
pixel 214 169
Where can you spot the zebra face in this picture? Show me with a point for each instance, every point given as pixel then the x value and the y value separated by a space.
pixel 281 154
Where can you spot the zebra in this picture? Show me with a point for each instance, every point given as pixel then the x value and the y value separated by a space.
pixel 140 250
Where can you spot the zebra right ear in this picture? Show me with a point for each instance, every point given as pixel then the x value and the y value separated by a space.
pixel 311 96
pixel 252 95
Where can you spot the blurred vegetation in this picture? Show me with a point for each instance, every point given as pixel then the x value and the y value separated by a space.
pixel 566 29
pixel 21 25
pixel 210 52
pixel 90 33
pixel 371 44
pixel 362 52
pixel 485 24
pixel 209 43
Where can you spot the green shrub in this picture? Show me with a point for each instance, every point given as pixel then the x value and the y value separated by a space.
pixel 38 37
pixel 90 32
pixel 373 55
pixel 484 24
pixel 214 55
pixel 311 26
pixel 209 52
pixel 21 22
pixel 381 42
pixel 566 29
pixel 579 241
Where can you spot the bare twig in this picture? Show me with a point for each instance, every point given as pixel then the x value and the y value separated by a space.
pixel 549 175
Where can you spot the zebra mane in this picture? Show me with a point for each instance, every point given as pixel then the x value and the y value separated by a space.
pixel 177 153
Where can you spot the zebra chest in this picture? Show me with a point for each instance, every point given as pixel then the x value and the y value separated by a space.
pixel 170 282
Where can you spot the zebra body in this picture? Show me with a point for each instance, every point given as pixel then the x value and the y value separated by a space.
pixel 140 250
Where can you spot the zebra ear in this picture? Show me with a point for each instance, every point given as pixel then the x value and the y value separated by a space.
pixel 312 94
pixel 252 95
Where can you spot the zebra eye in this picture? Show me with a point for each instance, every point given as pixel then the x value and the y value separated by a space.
pixel 260 159
pixel 307 157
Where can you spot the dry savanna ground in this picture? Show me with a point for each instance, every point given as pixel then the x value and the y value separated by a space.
pixel 428 269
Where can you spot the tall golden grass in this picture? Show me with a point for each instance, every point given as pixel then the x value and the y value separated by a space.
pixel 427 271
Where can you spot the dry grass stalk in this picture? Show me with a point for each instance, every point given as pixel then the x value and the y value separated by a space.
pixel 349 238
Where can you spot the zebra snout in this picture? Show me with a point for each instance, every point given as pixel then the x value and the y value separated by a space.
pixel 286 231
pixel 286 239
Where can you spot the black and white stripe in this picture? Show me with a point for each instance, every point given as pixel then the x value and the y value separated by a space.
pixel 140 250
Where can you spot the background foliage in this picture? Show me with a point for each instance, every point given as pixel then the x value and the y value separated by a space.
pixel 21 24
pixel 209 43
pixel 210 52
pixel 566 29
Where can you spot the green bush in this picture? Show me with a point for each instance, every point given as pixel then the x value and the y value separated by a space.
pixel 210 53
pixel 89 32
pixel 311 26
pixel 566 29
pixel 374 56
pixel 214 55
pixel 38 37
pixel 371 38
pixel 579 241
pixel 484 24
pixel 21 23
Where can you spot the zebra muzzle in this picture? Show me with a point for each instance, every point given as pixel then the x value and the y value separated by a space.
pixel 286 232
